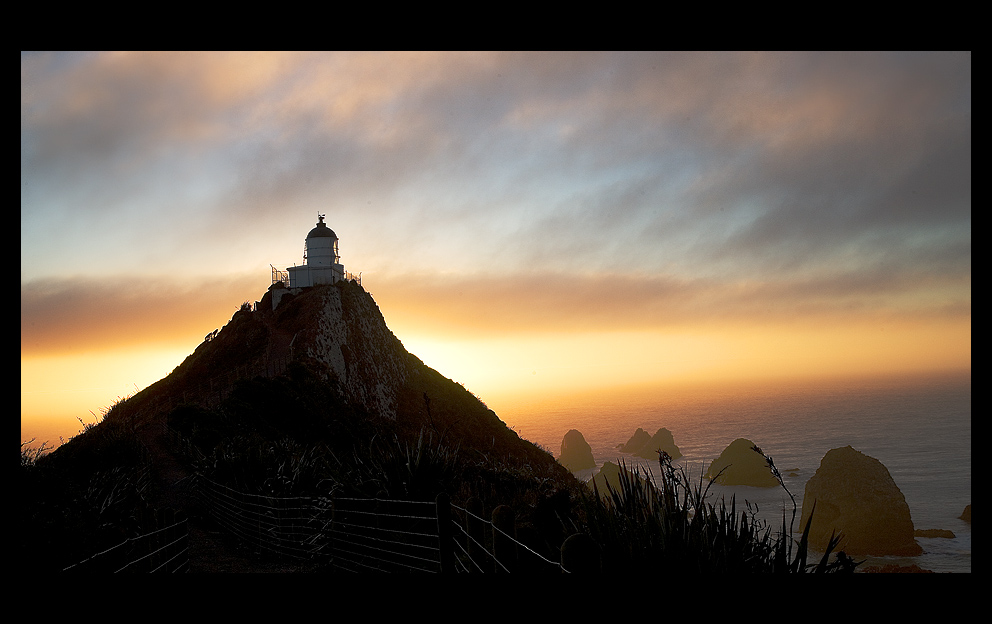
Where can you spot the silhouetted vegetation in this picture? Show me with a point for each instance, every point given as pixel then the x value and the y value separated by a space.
pixel 295 434
pixel 84 497
pixel 271 437
pixel 640 527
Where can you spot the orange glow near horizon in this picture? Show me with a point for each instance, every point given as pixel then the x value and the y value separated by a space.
pixel 59 390
pixel 512 369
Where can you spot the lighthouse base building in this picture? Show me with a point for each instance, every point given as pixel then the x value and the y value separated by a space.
pixel 321 263
pixel 303 276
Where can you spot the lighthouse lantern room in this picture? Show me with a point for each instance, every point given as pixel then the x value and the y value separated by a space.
pixel 321 262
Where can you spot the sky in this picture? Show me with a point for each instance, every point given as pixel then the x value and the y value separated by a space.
pixel 531 224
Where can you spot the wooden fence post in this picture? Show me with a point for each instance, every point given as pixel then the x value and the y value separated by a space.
pixel 504 538
pixel 476 535
pixel 378 519
pixel 445 542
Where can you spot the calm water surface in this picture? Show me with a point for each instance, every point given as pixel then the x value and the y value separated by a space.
pixel 921 433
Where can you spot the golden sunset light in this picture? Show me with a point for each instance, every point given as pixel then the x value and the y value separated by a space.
pixel 93 380
pixel 495 312
pixel 524 221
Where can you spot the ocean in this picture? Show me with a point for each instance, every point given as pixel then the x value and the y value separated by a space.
pixel 921 432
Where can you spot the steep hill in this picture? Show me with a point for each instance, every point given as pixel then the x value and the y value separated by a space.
pixel 334 341
pixel 317 375
pixel 321 365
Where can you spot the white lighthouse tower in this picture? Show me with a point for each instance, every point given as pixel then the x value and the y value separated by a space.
pixel 321 262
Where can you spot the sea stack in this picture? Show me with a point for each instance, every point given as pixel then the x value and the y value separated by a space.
pixel 741 465
pixel 576 454
pixel 662 440
pixel 856 496
pixel 636 442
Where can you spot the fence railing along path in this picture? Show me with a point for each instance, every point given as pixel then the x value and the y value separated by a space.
pixel 341 534
pixel 374 534
pixel 162 548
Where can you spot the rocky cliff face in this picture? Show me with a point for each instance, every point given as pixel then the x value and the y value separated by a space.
pixel 338 333
pixel 342 330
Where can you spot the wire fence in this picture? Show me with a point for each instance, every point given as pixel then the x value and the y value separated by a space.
pixel 484 546
pixel 281 525
pixel 164 549
pixel 374 534
pixel 377 535
pixel 340 534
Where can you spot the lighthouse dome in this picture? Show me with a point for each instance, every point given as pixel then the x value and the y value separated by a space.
pixel 321 231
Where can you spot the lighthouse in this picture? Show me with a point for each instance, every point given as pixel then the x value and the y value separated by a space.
pixel 321 262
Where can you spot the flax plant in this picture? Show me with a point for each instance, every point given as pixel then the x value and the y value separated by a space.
pixel 408 471
pixel 640 526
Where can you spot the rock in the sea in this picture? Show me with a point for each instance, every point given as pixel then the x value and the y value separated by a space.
pixel 966 515
pixel 636 441
pixel 741 465
pixel 933 533
pixel 576 454
pixel 894 568
pixel 610 474
pixel 663 440
pixel 855 495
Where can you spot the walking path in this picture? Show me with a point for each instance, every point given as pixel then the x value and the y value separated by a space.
pixel 210 550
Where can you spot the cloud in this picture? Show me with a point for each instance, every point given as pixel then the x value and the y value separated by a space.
pixel 102 106
pixel 702 165
pixel 86 314
pixel 491 305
